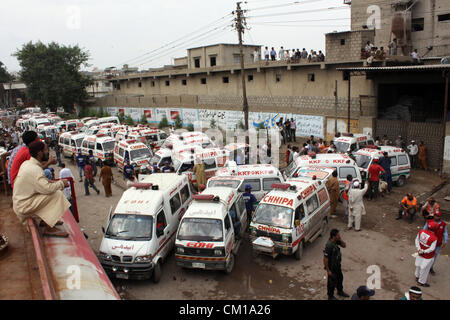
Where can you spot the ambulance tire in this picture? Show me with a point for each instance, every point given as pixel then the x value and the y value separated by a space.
pixel 157 272
pixel 401 181
pixel 341 199
pixel 229 267
pixel 299 253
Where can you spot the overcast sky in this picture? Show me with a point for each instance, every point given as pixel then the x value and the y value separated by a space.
pixel 123 31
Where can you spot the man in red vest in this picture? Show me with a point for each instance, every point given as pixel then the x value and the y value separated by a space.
pixel 374 178
pixel 439 228
pixel 426 242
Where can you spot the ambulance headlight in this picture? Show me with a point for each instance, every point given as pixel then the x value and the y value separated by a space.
pixel 143 259
pixel 105 256
pixel 218 252
pixel 180 250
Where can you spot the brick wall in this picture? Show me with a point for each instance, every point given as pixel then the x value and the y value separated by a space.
pixel 351 50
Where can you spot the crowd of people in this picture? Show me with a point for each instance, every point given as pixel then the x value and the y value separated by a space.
pixel 288 55
pixel 371 53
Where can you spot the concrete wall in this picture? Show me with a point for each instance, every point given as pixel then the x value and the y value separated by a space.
pixel 435 33
pixel 347 45
pixel 224 54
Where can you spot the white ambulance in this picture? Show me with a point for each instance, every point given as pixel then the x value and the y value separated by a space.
pixel 341 162
pixel 123 134
pixel 259 176
pixel 400 165
pixel 34 122
pixel 102 147
pixel 294 213
pixel 349 143
pixel 136 152
pixel 184 138
pixel 140 234
pixel 70 143
pixel 214 159
pixel 162 155
pixel 237 149
pixel 73 124
pixel 314 173
pixel 206 238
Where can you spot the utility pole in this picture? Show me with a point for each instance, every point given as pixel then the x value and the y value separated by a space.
pixel 240 26
pixel 335 107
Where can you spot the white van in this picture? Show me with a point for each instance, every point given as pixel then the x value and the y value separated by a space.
pixel 259 176
pixel 206 238
pixel 214 159
pixel 102 147
pixel 294 213
pixel 140 234
pixel 400 165
pixel 337 161
pixel 164 154
pixel 137 152
pixel 150 136
pixel 33 123
pixel 349 143
pixel 70 143
pixel 314 173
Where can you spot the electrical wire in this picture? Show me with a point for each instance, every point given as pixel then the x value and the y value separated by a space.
pixel 298 12
pixel 175 41
pixel 284 5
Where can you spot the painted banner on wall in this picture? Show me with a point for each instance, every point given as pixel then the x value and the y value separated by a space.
pixel 309 125
pixel 190 116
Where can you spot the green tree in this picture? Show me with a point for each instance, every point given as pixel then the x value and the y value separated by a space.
pixel 163 123
pixel 178 122
pixel 213 124
pixel 129 120
pixel 4 74
pixel 52 74
pixel 144 119
pixel 241 125
pixel 190 127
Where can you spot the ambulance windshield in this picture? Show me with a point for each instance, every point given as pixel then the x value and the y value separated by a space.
pixel 199 229
pixel 341 147
pixel 109 145
pixel 272 215
pixel 140 153
pixel 227 183
pixel 290 169
pixel 362 161
pixel 130 227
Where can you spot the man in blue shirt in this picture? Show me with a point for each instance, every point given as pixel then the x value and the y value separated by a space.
pixel 385 163
pixel 236 223
pixel 250 201
pixel 128 170
pixel 81 163
pixel 167 168
pixel 92 162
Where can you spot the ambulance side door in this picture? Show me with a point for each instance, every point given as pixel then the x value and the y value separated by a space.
pixel 394 168
pixel 312 206
pixel 186 198
pixel 241 211
pixel 175 209
pixel 161 230
pixel 229 234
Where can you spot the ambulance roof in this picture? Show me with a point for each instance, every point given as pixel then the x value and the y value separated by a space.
pixel 324 159
pixel 210 208
pixel 378 153
pixel 100 138
pixel 73 134
pixel 309 172
pixel 202 154
pixel 355 137
pixel 132 144
pixel 290 198
pixel 253 170
pixel 148 201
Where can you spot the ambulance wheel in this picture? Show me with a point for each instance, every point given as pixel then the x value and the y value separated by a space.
pixel 341 199
pixel 229 267
pixel 299 252
pixel 324 227
pixel 401 181
pixel 157 272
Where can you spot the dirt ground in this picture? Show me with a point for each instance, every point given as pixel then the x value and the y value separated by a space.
pixel 384 242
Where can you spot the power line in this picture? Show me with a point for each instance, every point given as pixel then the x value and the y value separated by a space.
pixel 294 21
pixel 300 25
pixel 182 38
pixel 299 12
pixel 285 5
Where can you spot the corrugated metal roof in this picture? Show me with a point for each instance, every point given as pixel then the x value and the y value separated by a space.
pixel 433 67
pixel 14 86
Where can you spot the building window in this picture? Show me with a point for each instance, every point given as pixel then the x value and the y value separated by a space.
pixel 197 62
pixel 444 17
pixel 225 80
pixel 203 80
pixel 183 82
pixel 153 83
pixel 342 42
pixel 278 78
pixel 346 75
pixel 417 24
pixel 212 61
pixel 139 84
pixel 250 78
pixel 167 83
pixel 237 59
pixel 311 77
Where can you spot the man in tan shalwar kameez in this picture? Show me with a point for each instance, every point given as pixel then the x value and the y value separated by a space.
pixel 333 190
pixel 35 195
pixel 199 171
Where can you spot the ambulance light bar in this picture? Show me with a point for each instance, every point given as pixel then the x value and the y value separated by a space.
pixel 207 197
pixel 100 135
pixel 140 185
pixel 283 186
pixel 131 141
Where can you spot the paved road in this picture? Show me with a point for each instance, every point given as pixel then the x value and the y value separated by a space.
pixel 384 242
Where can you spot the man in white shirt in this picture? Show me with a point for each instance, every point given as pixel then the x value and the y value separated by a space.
pixel 281 54
pixel 266 54
pixel 296 154
pixel 413 150
pixel 255 56
pixel 415 56
pixel 66 173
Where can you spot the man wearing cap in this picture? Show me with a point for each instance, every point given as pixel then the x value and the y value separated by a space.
pixel 408 207
pixel 374 178
pixel 413 150
pixel 250 201
pixel 425 242
pixel 439 228
pixel 35 195
pixel 166 168
pixel 356 205
pixel 128 170
pixel 415 293
pixel 363 293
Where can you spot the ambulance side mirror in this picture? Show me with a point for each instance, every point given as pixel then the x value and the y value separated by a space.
pixel 103 230
pixel 297 223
